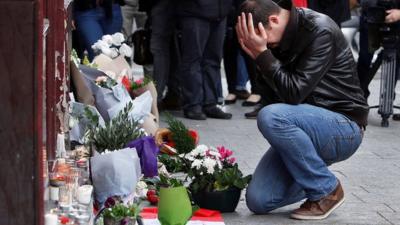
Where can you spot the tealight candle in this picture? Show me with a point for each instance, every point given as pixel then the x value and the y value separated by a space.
pixel 50 219
pixel 85 194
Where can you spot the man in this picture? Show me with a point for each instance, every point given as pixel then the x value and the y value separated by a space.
pixel 306 61
pixel 203 24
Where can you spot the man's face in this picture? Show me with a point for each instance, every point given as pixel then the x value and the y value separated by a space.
pixel 274 30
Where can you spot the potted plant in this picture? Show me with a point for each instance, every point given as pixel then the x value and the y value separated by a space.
pixel 111 158
pixel 216 181
pixel 117 213
pixel 174 206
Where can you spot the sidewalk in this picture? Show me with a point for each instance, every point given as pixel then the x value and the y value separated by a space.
pixel 370 178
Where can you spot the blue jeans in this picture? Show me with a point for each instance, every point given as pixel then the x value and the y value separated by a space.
pixel 304 140
pixel 92 24
pixel 242 75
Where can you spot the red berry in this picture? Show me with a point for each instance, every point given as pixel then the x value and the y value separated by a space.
pixel 151 192
pixel 153 199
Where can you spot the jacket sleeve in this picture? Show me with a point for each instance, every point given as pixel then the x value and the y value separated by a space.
pixel 293 87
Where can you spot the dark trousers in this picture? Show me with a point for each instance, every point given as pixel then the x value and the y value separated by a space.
pixel 365 58
pixel 163 25
pixel 202 43
pixel 231 50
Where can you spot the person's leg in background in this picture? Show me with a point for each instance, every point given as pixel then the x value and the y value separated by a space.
pixel 128 12
pixel 231 49
pixel 163 27
pixel 253 72
pixel 195 32
pixel 113 24
pixel 89 28
pixel 211 69
pixel 242 77
pixel 364 58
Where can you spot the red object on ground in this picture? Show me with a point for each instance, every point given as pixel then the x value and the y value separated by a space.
pixel 201 214
pixel 300 3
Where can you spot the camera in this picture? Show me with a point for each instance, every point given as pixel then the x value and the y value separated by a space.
pixel 379 32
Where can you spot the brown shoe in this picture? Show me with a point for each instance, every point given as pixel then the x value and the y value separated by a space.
pixel 318 210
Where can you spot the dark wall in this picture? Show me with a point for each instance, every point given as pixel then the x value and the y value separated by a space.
pixel 19 155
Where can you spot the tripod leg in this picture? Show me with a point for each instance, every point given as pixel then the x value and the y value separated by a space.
pixel 387 86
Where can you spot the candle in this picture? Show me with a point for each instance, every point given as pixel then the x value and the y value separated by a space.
pixel 85 194
pixel 50 219
pixel 54 192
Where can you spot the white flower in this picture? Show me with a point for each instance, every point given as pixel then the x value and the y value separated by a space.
pixel 106 51
pixel 189 157
pixel 196 164
pixel 141 185
pixel 108 39
pixel 125 50
pixel 214 153
pixel 210 164
pixel 99 45
pixel 114 52
pixel 117 39
pixel 199 151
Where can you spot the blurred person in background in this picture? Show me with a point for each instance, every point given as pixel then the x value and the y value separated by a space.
pixel 95 18
pixel 203 27
pixel 365 54
pixel 163 23
pixel 130 14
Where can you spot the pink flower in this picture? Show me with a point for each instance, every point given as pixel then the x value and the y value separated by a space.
pixel 232 160
pixel 139 82
pixel 224 152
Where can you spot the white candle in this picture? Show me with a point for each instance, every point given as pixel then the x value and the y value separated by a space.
pixel 54 192
pixel 50 219
pixel 85 194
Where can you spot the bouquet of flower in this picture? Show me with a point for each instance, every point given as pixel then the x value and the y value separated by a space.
pixel 105 82
pixel 213 169
pixel 113 46
pixel 118 213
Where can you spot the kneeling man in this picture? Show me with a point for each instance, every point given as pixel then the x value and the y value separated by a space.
pixel 321 113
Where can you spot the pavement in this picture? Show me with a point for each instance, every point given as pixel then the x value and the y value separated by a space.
pixel 370 178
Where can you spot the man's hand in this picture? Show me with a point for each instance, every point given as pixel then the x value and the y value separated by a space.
pixel 252 43
pixel 393 15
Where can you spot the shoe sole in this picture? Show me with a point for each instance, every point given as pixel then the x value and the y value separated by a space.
pixel 321 217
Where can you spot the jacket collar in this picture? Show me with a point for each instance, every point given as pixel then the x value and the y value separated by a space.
pixel 290 32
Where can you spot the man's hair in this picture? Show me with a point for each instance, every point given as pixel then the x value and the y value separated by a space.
pixel 263 9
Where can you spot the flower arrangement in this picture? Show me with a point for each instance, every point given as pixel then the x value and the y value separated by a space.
pixel 118 213
pixel 213 169
pixel 105 82
pixel 116 133
pixel 113 46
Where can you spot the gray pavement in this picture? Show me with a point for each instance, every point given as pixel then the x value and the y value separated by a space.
pixel 370 178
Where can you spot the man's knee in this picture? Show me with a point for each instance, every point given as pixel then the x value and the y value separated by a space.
pixel 272 116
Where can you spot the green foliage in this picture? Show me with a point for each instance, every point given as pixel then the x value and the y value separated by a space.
pixel 172 163
pixel 120 211
pixel 184 143
pixel 116 133
pixel 108 83
pixel 169 182
pixel 229 177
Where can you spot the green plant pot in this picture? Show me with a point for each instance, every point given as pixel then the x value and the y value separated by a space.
pixel 223 201
pixel 113 221
pixel 174 207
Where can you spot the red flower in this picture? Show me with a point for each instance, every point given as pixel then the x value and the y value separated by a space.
pixel 126 82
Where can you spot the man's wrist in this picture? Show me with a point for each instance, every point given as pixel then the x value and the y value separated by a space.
pixel 259 51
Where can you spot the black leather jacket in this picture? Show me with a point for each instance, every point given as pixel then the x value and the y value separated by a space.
pixel 313 64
